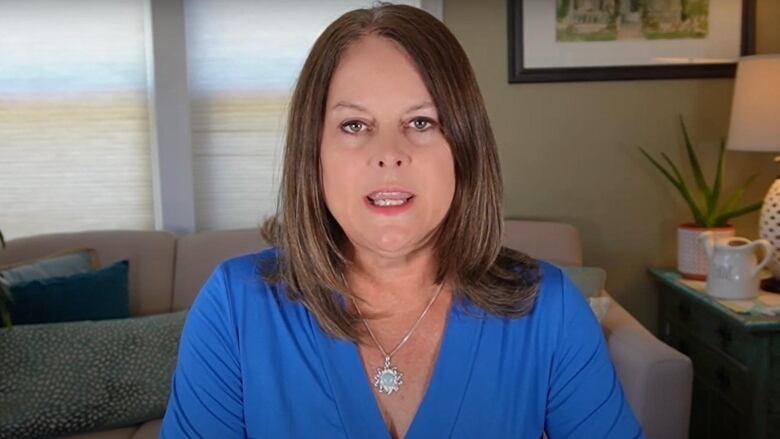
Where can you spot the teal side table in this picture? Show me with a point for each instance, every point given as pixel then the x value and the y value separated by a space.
pixel 736 361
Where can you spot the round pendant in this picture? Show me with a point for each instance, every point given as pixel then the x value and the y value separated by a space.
pixel 388 379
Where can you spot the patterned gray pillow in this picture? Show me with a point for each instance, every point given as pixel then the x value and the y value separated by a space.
pixel 63 378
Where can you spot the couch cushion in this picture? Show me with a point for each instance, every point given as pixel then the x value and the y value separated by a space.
pixel 198 254
pixel 64 264
pixel 116 433
pixel 150 254
pixel 149 430
pixel 63 378
pixel 98 295
pixel 558 243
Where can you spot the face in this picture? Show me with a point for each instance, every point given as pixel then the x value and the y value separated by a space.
pixel 387 170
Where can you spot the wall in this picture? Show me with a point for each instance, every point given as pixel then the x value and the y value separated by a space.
pixel 569 151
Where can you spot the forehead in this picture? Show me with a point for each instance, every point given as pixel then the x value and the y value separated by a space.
pixel 377 70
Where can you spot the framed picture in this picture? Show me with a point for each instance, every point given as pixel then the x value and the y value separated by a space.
pixel 603 40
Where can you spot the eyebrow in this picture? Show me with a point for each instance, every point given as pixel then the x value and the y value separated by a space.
pixel 343 104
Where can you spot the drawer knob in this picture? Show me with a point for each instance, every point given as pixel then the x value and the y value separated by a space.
pixel 724 334
pixel 684 311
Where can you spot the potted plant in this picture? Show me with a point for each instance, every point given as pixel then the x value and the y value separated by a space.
pixel 710 212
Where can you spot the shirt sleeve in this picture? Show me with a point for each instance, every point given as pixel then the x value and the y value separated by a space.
pixel 585 398
pixel 206 399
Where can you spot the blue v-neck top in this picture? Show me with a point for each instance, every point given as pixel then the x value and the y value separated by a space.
pixel 254 364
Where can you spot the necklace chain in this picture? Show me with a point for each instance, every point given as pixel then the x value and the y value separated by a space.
pixel 408 334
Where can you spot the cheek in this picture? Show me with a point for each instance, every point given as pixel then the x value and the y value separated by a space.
pixel 442 181
pixel 330 181
pixel 337 181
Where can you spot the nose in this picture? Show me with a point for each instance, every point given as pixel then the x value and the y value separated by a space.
pixel 390 155
pixel 390 162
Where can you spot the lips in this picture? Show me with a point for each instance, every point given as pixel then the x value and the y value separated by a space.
pixel 390 194
pixel 389 197
pixel 389 207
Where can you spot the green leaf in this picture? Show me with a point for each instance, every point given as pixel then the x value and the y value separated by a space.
pixel 666 173
pixel 723 218
pixel 717 185
pixel 736 196
pixel 674 168
pixel 699 218
pixel 697 174
pixel 677 183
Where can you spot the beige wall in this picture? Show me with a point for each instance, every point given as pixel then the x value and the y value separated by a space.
pixel 569 150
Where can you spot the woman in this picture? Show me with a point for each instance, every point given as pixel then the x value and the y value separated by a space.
pixel 387 306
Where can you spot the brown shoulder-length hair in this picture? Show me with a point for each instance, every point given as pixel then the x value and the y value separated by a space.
pixel 467 243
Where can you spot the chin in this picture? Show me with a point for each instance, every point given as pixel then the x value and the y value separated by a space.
pixel 392 248
pixel 383 245
pixel 389 240
pixel 398 247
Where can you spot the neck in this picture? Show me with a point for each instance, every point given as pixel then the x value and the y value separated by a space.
pixel 392 286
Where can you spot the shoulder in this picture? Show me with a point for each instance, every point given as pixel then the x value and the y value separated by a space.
pixel 555 300
pixel 564 311
pixel 557 293
pixel 241 268
pixel 584 396
pixel 238 296
pixel 236 282
pixel 558 304
pixel 245 272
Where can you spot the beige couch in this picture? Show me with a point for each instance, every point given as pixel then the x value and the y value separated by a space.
pixel 166 274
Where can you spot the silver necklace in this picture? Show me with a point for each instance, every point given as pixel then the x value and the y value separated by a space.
pixel 388 379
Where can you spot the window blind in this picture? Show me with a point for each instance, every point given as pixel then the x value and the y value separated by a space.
pixel 243 58
pixel 74 130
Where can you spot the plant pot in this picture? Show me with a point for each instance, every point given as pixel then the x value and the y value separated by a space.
pixel 692 261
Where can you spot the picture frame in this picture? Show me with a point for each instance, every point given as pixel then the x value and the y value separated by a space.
pixel 559 53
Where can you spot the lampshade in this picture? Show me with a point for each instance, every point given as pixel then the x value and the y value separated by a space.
pixel 755 109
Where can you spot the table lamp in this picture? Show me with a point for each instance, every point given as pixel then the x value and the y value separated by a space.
pixel 755 126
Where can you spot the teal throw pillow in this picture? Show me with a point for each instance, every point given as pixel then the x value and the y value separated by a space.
pixel 97 295
pixel 59 379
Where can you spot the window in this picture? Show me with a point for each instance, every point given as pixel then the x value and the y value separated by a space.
pixel 243 58
pixel 74 129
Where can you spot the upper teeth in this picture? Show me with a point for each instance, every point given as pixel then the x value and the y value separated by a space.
pixel 384 202
pixel 396 195
pixel 389 198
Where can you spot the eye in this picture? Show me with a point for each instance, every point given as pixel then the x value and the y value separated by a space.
pixel 422 123
pixel 352 126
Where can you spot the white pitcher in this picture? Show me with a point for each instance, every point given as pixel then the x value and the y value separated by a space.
pixel 733 271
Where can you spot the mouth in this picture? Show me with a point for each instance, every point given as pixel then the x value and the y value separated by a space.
pixel 389 198
pixel 389 201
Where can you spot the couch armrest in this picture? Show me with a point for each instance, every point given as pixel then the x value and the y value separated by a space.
pixel 657 379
